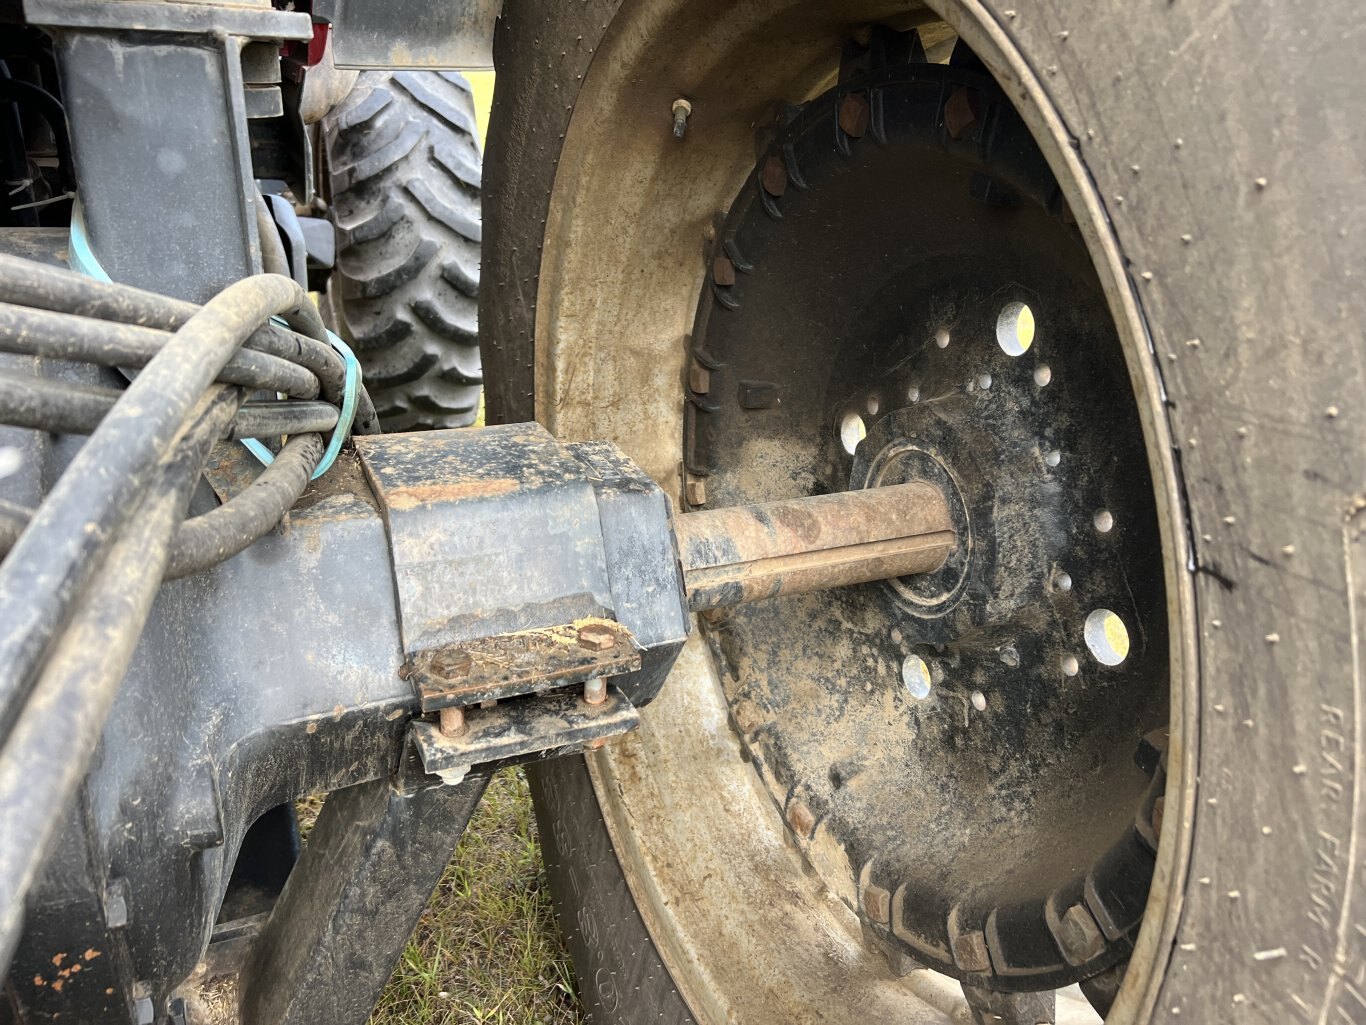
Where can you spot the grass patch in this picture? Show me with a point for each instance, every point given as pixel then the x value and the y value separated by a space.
pixel 487 950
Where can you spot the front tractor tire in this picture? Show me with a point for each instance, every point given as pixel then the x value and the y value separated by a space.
pixel 403 163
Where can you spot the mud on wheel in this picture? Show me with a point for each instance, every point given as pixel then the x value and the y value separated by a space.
pixel 957 750
pixel 985 259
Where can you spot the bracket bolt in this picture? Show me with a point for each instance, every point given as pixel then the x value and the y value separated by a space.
pixel 595 690
pixel 596 638
pixel 452 722
pixel 682 109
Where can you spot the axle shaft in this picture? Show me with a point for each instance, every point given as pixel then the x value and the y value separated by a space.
pixel 750 552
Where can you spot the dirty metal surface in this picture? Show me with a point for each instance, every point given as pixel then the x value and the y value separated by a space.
pixel 1022 861
pixel 510 665
pixel 502 530
pixel 748 553
pixel 525 729
pixel 523 549
pixel 457 35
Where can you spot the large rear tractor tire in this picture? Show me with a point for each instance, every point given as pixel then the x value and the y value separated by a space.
pixel 1092 267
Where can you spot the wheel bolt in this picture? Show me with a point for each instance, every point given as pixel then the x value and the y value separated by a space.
pixel 682 109
pixel 595 690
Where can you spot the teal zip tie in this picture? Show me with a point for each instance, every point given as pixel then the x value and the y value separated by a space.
pixel 344 420
pixel 81 258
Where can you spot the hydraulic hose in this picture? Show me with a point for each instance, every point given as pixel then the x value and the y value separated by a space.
pixel 79 574
pixel 29 332
pixel 48 750
pixel 53 559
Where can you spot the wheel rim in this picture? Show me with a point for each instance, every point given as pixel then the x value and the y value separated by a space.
pixel 640 784
pixel 964 739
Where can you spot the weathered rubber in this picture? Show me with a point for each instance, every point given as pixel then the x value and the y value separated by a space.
pixel 404 168
pixel 620 977
pixel 1226 145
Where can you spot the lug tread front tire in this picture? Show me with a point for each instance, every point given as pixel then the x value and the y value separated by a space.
pixel 404 168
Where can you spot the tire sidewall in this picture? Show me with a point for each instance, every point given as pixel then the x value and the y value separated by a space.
pixel 1212 146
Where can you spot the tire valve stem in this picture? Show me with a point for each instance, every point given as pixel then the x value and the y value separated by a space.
pixel 682 109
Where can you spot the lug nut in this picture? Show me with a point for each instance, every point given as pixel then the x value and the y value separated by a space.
pixel 682 109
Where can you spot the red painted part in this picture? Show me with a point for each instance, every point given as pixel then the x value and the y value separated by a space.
pixel 318 44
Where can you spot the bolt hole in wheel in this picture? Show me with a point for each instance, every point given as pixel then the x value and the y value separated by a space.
pixel 915 674
pixel 852 431
pixel 1107 637
pixel 1015 329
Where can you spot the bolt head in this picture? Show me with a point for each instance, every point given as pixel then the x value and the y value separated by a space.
pixel 773 177
pixel 801 820
pixel 959 115
pixel 452 721
pixel 723 271
pixel 877 902
pixel 596 638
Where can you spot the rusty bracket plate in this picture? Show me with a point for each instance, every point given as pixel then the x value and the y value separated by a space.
pixel 528 662
pixel 524 730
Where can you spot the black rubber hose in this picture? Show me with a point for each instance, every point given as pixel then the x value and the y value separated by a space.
pixel 221 533
pixel 59 407
pixel 278 419
pixel 273 258
pixel 66 407
pixel 309 321
pixel 48 749
pixel 31 332
pixel 53 559
pixel 28 283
